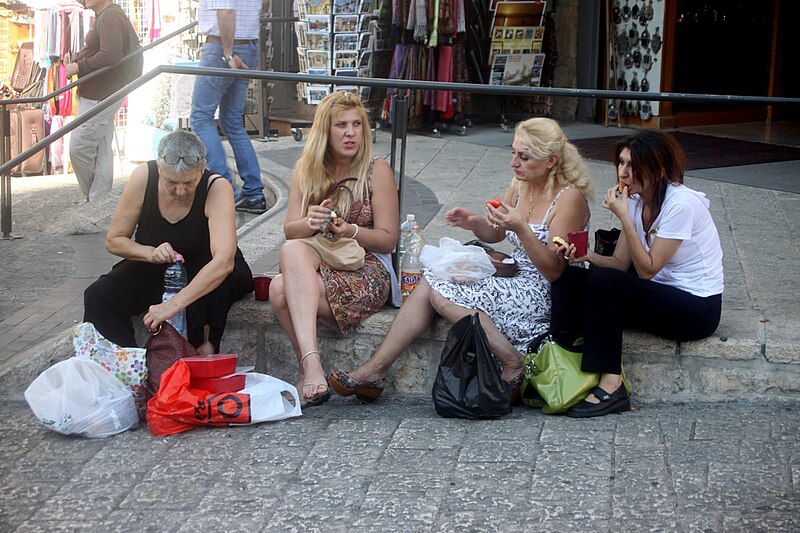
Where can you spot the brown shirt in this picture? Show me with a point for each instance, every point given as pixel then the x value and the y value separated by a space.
pixel 106 44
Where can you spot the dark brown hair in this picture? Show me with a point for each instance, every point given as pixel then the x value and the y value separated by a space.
pixel 657 158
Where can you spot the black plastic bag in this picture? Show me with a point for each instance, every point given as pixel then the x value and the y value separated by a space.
pixel 468 383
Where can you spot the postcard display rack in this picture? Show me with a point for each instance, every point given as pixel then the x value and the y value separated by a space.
pixel 337 41
pixel 634 50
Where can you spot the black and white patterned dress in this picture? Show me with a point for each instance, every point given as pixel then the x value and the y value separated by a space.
pixel 519 306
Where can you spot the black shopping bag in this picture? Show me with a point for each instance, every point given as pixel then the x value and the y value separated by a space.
pixel 468 383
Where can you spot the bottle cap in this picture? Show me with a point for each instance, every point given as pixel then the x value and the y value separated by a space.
pixel 410 216
pixel 178 258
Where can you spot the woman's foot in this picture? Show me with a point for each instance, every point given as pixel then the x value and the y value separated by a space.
pixel 345 385
pixel 604 403
pixel 314 388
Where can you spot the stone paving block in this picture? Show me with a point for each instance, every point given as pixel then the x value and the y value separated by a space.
pixel 552 485
pixel 343 461
pixel 416 511
pixel 776 476
pixel 177 469
pixel 298 432
pixel 405 460
pixel 91 500
pixel 425 438
pixel 704 451
pixel 498 451
pixel 479 522
pixel 20 500
pixel 492 479
pixel 598 462
pixel 412 482
pixel 527 429
pixel 169 493
pixel 225 522
pixel 638 434
pixel 146 520
pixel 567 434
pixel 368 431
pixel 47 526
pixel 67 448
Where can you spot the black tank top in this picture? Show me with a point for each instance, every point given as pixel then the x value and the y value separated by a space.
pixel 188 236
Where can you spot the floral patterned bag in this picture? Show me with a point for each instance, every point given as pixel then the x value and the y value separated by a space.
pixel 126 364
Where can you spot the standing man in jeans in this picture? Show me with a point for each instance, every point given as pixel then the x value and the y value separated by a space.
pixel 90 144
pixel 231 28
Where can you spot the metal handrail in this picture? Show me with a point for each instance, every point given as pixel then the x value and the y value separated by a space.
pixel 388 83
pixel 399 130
pixel 98 72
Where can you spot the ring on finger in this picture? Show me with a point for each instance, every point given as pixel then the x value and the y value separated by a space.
pixel 496 225
pixel 310 224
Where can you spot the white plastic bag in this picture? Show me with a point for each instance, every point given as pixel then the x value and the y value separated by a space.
pixel 80 397
pixel 126 364
pixel 457 262
pixel 267 401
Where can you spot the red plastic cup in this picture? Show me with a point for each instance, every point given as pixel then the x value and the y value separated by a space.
pixel 581 241
pixel 261 286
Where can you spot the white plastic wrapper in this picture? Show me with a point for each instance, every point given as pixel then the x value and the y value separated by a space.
pixel 456 262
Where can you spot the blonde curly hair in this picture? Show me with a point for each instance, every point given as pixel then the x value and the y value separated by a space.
pixel 543 137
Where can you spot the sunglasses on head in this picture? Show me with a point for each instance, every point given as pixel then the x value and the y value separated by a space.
pixel 190 160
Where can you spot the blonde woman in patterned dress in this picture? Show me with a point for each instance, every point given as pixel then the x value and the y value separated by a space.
pixel 338 147
pixel 547 197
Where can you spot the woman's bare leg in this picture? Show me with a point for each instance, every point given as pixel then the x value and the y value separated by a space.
pixel 300 300
pixel 206 348
pixel 414 318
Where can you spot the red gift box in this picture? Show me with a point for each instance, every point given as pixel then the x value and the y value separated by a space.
pixel 232 383
pixel 211 366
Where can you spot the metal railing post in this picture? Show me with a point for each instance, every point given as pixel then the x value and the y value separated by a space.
pixel 5 179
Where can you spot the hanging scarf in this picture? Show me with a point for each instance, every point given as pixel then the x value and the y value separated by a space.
pixel 155 19
pixel 434 39
pixel 430 76
pixel 461 17
pixel 443 99
pixel 421 23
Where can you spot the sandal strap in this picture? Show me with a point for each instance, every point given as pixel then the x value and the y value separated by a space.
pixel 601 395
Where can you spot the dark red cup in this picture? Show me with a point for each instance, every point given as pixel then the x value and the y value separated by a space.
pixel 581 241
pixel 261 286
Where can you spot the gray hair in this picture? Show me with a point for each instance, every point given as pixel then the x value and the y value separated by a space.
pixel 179 144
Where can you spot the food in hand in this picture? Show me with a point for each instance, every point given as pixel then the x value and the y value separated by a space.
pixel 333 215
pixel 496 203
pixel 620 188
pixel 560 241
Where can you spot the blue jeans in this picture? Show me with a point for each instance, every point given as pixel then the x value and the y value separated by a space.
pixel 228 94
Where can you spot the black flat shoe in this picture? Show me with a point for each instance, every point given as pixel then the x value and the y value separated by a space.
pixel 615 402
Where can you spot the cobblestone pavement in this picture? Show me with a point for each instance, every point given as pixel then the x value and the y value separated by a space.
pixel 397 466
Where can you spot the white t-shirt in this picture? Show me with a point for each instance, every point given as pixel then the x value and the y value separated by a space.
pixel 696 266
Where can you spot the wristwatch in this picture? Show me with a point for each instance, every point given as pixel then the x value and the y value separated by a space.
pixel 227 59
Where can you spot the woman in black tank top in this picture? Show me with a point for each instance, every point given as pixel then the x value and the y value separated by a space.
pixel 171 206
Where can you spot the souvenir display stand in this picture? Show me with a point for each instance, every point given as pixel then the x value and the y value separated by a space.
pixel 635 38
pixel 345 38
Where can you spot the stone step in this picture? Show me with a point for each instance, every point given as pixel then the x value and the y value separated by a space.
pixel 728 364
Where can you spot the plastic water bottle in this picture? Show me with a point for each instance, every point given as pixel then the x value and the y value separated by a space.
pixel 411 269
pixel 175 279
pixel 406 227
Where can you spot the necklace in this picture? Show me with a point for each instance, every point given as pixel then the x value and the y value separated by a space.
pixel 530 206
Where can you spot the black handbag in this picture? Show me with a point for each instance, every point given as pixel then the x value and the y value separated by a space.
pixel 468 383
pixel 605 241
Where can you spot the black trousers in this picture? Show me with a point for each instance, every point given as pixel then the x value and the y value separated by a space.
pixel 132 287
pixel 598 304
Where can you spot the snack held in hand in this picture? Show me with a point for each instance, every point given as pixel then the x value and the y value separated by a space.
pixel 620 189
pixel 494 203
pixel 560 241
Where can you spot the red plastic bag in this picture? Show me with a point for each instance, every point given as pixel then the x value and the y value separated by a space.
pixel 176 407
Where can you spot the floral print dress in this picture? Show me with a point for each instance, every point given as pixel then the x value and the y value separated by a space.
pixel 355 295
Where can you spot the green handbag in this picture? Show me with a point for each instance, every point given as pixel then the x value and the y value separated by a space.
pixel 554 380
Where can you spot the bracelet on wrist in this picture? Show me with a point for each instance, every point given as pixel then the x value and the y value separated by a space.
pixel 355 232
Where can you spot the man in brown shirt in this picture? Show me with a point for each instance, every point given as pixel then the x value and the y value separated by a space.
pixel 90 144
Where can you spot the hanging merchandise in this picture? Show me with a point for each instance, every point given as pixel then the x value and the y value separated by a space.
pixel 632 46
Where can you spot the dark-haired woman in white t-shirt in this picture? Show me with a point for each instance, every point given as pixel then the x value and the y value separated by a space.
pixel 670 240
